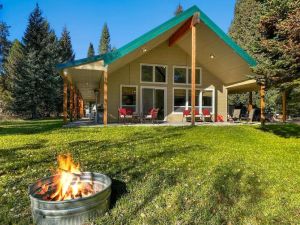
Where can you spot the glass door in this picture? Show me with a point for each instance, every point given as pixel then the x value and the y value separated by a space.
pixel 153 98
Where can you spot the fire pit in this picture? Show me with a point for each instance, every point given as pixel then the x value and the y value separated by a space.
pixel 69 196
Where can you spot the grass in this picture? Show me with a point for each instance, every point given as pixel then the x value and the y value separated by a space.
pixel 163 175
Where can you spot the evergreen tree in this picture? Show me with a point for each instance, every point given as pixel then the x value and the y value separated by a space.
pixel 4 49
pixel 179 10
pixel 104 45
pixel 244 27
pixel 39 83
pixel 65 46
pixel 91 51
pixel 279 46
pixel 15 72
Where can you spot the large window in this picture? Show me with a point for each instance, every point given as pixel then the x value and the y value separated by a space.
pixel 179 100
pixel 207 100
pixel 128 97
pixel 182 75
pixel 153 73
pixel 183 100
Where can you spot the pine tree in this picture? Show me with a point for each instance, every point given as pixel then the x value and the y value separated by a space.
pixel 91 51
pixel 65 45
pixel 104 45
pixel 15 72
pixel 179 10
pixel 279 44
pixel 39 83
pixel 4 49
pixel 244 27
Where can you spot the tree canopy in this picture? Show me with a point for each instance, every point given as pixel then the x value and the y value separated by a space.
pixel 279 45
pixel 91 51
pixel 65 45
pixel 104 44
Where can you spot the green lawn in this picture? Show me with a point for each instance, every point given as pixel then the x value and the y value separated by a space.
pixel 163 175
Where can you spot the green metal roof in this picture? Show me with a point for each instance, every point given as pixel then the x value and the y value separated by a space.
pixel 150 35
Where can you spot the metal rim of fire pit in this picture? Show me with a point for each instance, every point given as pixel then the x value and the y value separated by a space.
pixel 68 211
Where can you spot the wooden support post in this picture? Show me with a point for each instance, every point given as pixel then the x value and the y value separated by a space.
pixel 65 99
pixel 81 108
pixel 75 104
pixel 99 94
pixel 262 104
pixel 193 94
pixel 250 102
pixel 105 98
pixel 283 106
pixel 71 102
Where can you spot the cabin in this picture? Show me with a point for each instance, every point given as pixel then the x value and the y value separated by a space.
pixel 186 63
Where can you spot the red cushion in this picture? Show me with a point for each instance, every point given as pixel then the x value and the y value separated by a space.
pixel 129 111
pixel 205 112
pixel 186 112
pixel 122 112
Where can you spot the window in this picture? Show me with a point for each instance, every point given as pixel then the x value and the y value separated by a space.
pixel 198 74
pixel 197 103
pixel 153 73
pixel 179 75
pixel 207 100
pixel 179 100
pixel 183 100
pixel 183 75
pixel 147 73
pixel 128 97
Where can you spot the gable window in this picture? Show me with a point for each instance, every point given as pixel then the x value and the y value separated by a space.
pixel 128 97
pixel 180 75
pixel 153 73
pixel 183 75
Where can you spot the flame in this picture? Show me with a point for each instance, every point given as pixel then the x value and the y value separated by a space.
pixel 66 183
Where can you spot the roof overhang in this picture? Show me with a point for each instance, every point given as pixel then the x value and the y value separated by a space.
pixel 242 87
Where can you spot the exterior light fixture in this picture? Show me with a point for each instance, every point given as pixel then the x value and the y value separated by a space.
pixel 144 50
pixel 212 56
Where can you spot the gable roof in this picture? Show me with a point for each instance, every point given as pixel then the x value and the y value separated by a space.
pixel 110 57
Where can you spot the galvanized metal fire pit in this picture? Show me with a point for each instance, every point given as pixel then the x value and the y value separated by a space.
pixel 74 211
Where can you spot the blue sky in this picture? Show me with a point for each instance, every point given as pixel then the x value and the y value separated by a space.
pixel 126 19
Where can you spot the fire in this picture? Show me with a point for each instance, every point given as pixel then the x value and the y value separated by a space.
pixel 66 183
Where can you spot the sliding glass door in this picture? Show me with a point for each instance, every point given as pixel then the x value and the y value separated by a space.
pixel 153 98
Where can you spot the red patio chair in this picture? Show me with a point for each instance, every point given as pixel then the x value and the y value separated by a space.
pixel 152 115
pixel 125 114
pixel 220 118
pixel 122 114
pixel 206 115
pixel 186 113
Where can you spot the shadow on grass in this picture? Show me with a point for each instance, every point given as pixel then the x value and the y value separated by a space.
pixel 29 126
pixel 12 152
pixel 118 189
pixel 235 192
pixel 283 130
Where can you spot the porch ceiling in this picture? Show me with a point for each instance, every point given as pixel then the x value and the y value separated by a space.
pixel 86 80
pixel 242 87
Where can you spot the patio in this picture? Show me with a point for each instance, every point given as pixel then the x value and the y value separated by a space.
pixel 86 122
